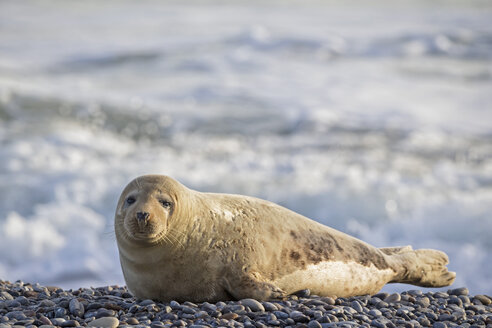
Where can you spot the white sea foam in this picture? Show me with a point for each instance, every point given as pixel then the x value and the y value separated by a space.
pixel 374 119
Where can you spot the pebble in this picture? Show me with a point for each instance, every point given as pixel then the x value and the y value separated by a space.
pixel 483 299
pixel 113 306
pixel 314 324
pixel 393 298
pixel 105 322
pixel 6 296
pixel 254 305
pixel 102 312
pixel 76 308
pixel 375 313
pixel 303 293
pixel 298 316
pixel 459 291
pixel 132 321
pixel 269 306
pixel 230 316
pixel 70 323
pixel 47 303
pixel 356 306
pixel 439 325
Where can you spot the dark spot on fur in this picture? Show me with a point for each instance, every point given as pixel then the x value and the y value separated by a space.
pixel 295 255
pixel 293 234
pixel 365 256
pixel 313 258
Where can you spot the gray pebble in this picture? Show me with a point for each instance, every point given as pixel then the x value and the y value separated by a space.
pixel 424 302
pixel 102 312
pixel 22 300
pixel 328 300
pixel 187 316
pixel 269 306
pixel 146 302
pixel 17 315
pixel 70 323
pixel 314 324
pixel 281 315
pixel 76 308
pixel 439 325
pixel 47 303
pixel 393 298
pixel 58 321
pixel 446 317
pixel 209 307
pixel 25 322
pixel 298 316
pixel 459 291
pixel 60 312
pixel 464 299
pixel 44 320
pixel 375 313
pixel 12 304
pixel 302 293
pixel 105 322
pixel 378 324
pixel 415 292
pixel 483 299
pixel 423 321
pixel 356 306
pixel 188 310
pixel 253 304
pixel 200 314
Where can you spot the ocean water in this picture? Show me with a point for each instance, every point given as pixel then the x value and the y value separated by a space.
pixel 373 118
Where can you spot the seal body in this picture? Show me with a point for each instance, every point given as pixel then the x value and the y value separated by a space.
pixel 179 244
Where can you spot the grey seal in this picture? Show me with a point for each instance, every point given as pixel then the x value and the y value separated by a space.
pixel 179 244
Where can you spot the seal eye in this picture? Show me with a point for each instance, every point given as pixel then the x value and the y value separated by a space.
pixel 130 200
pixel 166 204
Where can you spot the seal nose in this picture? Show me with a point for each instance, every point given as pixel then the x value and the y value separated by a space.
pixel 142 216
pixel 142 220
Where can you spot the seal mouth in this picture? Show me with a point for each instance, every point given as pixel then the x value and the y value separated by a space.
pixel 146 238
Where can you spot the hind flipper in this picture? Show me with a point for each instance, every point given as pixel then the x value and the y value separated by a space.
pixel 423 267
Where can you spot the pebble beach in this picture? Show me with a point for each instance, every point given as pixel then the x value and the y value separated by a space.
pixel 32 305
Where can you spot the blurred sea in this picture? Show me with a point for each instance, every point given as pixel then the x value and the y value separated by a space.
pixel 372 117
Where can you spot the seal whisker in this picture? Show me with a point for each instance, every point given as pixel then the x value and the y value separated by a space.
pixel 174 237
pixel 111 233
pixel 168 239
pixel 177 232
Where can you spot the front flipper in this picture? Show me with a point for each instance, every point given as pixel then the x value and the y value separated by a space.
pixel 250 285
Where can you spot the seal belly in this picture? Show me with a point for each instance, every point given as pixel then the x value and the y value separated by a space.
pixel 336 278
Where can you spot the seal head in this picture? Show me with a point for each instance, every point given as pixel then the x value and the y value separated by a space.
pixel 144 211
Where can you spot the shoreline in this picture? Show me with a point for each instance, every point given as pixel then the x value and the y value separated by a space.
pixel 32 305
